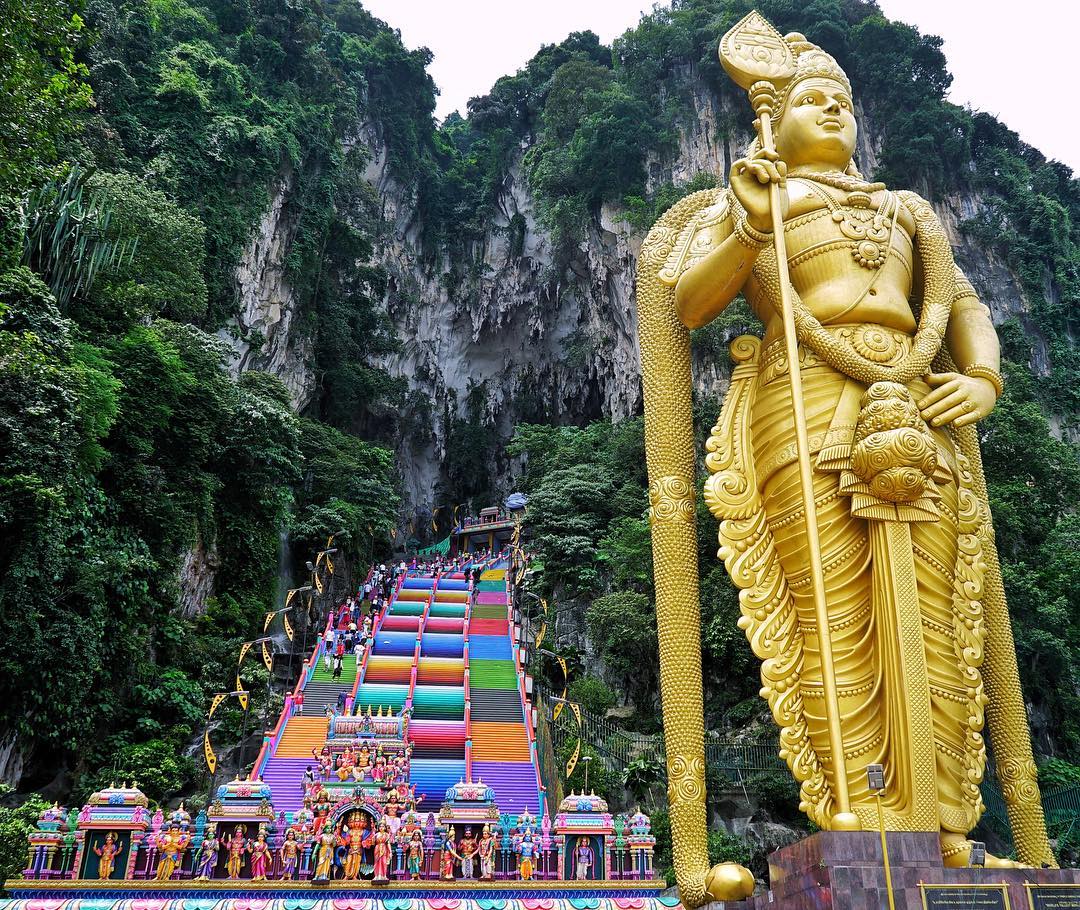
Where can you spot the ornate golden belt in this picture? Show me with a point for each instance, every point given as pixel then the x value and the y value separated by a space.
pixel 875 343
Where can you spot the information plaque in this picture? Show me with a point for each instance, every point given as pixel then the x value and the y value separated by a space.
pixel 965 897
pixel 1053 897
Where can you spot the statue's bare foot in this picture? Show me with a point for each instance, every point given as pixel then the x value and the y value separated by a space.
pixel 956 854
pixel 729 882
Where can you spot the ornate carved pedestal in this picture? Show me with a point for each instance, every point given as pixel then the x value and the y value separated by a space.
pixel 844 871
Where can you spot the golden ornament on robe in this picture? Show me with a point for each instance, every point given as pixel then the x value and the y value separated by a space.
pixel 858 504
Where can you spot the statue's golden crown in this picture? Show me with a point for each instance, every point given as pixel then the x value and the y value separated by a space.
pixel 811 61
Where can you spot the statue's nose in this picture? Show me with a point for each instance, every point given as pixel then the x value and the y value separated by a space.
pixel 832 106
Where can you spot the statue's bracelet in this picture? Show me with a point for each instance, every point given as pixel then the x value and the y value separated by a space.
pixel 978 371
pixel 749 236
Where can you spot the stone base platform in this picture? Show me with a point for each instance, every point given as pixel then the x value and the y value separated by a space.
pixel 844 871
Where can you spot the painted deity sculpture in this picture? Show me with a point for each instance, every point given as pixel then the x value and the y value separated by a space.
pixel 849 490
pixel 584 859
pixel 485 851
pixel 289 855
pixel 414 857
pixel 355 838
pixel 383 852
pixel 107 853
pixel 237 846
pixel 466 851
pixel 171 846
pixel 260 857
pixel 526 850
pixel 208 856
pixel 447 856
pixel 324 858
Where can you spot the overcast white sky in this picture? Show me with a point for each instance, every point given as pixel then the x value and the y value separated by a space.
pixel 1023 70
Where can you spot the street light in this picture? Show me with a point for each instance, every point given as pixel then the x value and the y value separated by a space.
pixel 875 779
pixel 586 758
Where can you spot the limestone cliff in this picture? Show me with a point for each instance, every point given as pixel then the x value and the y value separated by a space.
pixel 532 332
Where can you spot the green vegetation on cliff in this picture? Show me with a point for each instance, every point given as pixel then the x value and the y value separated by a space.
pixel 138 154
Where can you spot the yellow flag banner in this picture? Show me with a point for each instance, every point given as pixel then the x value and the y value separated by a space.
pixel 570 765
pixel 244 648
pixel 540 635
pixel 208 753
pixel 269 618
pixel 455 514
pixel 559 705
pixel 288 626
pixel 268 658
pixel 242 695
pixel 216 702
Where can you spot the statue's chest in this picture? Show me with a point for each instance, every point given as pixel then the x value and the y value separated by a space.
pixel 846 231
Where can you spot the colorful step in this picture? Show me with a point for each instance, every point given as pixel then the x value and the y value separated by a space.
pixel 299 735
pixel 348 672
pixel 488 627
pixel 376 695
pixel 441 671
pixel 454 610
pixel 499 742
pixel 491 674
pixel 442 644
pixel 490 647
pixel 383 668
pixel 438 703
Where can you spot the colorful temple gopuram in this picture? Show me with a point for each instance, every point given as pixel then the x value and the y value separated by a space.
pixel 426 793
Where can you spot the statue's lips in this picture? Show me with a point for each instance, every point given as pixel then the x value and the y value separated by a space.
pixel 830 123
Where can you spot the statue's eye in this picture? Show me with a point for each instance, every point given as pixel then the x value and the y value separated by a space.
pixel 808 99
pixel 845 104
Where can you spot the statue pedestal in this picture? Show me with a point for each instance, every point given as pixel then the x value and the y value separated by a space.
pixel 844 871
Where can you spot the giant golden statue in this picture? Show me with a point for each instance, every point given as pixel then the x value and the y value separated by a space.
pixel 846 475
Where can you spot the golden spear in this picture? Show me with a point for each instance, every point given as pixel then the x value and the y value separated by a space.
pixel 756 56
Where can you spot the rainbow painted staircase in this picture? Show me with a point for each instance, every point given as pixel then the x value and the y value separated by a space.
pixel 501 747
pixel 447 653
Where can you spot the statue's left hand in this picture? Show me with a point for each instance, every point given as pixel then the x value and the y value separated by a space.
pixel 957 399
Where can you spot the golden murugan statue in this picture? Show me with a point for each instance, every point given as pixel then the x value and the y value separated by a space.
pixel 849 490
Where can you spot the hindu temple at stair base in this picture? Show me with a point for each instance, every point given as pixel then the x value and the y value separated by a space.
pixel 426 791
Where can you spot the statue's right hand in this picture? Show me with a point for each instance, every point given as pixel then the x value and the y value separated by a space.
pixel 750 179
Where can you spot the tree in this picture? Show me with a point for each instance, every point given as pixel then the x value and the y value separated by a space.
pixel 42 87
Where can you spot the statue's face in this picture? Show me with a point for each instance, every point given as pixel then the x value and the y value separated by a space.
pixel 818 126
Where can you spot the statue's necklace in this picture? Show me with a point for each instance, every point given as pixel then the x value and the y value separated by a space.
pixel 870 232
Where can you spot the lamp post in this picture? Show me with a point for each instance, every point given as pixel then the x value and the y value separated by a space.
pixel 875 778
pixel 586 758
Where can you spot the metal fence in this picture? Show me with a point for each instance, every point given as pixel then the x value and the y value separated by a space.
pixel 617 748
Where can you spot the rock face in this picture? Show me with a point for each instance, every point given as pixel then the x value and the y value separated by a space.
pixel 264 333
pixel 530 333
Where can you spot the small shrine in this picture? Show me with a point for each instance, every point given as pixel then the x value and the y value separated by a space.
pixel 109 831
pixel 584 837
pixel 469 803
